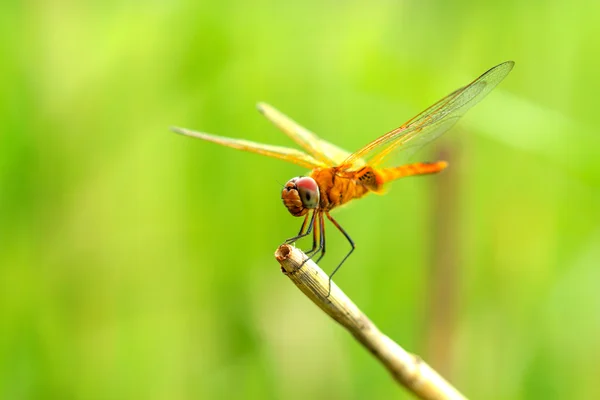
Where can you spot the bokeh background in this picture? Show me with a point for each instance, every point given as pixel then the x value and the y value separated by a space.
pixel 136 263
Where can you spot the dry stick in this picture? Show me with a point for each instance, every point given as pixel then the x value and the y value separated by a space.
pixel 408 369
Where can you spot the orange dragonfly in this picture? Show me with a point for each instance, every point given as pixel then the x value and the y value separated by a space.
pixel 338 176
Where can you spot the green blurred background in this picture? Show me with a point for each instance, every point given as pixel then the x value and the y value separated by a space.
pixel 136 263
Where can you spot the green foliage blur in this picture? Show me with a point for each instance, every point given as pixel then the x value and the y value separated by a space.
pixel 138 264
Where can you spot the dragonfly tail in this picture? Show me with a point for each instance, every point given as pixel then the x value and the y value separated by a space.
pixel 420 168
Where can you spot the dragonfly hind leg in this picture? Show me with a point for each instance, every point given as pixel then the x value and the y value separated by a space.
pixel 337 225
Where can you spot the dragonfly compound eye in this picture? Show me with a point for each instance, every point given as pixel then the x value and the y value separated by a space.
pixel 308 191
pixel 300 195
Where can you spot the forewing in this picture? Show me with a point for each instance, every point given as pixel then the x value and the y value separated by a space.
pixel 431 123
pixel 320 149
pixel 283 153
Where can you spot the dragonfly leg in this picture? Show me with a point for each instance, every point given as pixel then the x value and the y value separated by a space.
pixel 319 236
pixel 316 237
pixel 334 222
pixel 302 234
pixel 317 227
pixel 322 246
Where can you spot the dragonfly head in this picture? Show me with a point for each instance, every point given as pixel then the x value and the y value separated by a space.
pixel 300 194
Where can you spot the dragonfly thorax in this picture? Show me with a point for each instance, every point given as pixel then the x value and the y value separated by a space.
pixel 300 195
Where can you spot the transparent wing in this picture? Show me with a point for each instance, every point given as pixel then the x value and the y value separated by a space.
pixel 283 153
pixel 320 149
pixel 431 123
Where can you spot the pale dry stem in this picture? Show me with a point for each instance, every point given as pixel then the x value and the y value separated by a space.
pixel 408 369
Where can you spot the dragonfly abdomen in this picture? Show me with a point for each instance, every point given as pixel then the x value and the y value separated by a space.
pixel 421 168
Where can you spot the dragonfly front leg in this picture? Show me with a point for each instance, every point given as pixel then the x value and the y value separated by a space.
pixel 318 236
pixel 317 227
pixel 302 234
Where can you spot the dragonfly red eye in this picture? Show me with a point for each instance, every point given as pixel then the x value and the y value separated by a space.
pixel 308 191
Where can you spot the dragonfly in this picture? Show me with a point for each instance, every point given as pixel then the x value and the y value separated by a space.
pixel 338 176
